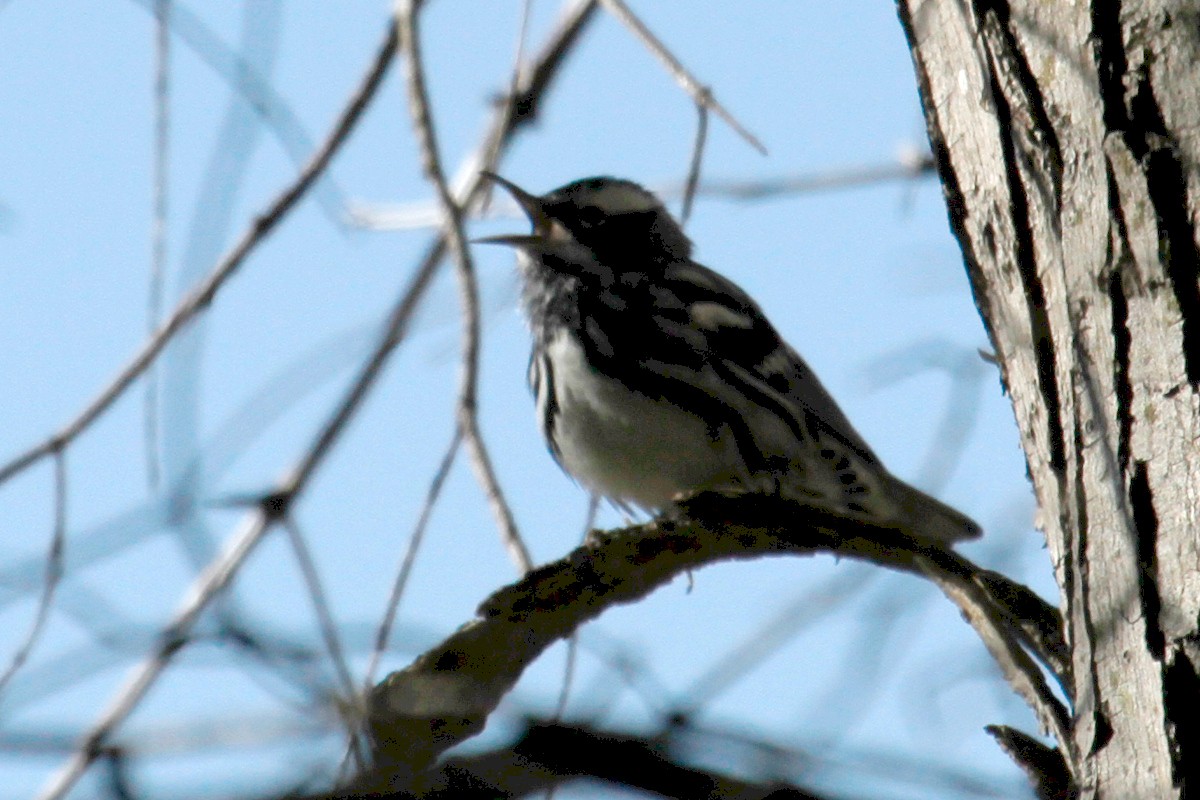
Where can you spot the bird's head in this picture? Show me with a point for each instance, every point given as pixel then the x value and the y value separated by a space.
pixel 617 220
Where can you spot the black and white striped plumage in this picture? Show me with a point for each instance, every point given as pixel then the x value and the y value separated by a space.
pixel 656 377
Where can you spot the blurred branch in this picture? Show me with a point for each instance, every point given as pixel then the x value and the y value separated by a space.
pixel 279 393
pixel 447 694
pixel 967 374
pixel 256 91
pixel 908 167
pixel 158 232
pixel 767 638
pixel 423 214
pixel 672 762
pixel 548 755
pixel 570 752
pixel 249 728
pixel 200 297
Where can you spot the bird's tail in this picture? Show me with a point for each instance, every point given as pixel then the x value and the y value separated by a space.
pixel 927 517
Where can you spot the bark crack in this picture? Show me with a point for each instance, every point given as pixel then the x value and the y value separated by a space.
pixel 1035 294
pixel 1181 689
pixel 1101 729
pixel 1131 108
pixel 1167 184
pixel 1145 521
pixel 1122 339
pixel 1010 61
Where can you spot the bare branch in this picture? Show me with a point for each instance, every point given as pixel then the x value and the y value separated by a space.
pixel 325 621
pixel 447 694
pixel 699 93
pixel 452 232
pixel 410 557
pixel 1022 674
pixel 693 176
pixel 1039 624
pixel 1045 766
pixel 53 572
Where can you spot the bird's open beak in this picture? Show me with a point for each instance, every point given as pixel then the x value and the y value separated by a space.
pixel 532 206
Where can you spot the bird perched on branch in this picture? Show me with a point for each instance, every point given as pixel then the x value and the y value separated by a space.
pixel 657 378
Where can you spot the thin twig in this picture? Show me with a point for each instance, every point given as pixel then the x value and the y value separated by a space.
pixel 564 691
pixel 569 668
pixel 1019 670
pixel 158 235
pixel 202 295
pixel 841 178
pixel 700 94
pixel 693 176
pixel 325 620
pixel 510 102
pixel 403 574
pixel 572 659
pixel 452 232
pixel 531 86
pixel 53 573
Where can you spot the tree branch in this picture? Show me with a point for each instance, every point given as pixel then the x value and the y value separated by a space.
pixel 446 695
pixel 549 755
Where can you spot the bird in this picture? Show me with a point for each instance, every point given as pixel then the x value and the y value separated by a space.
pixel 657 379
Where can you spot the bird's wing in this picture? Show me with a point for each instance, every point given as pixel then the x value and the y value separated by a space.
pixel 725 324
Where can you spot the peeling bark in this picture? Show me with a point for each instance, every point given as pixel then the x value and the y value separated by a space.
pixel 1067 141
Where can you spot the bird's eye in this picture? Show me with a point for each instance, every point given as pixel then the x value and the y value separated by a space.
pixel 590 216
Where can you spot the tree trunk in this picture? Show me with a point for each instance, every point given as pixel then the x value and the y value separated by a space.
pixel 1067 137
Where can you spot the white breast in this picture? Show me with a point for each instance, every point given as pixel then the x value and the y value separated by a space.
pixel 626 446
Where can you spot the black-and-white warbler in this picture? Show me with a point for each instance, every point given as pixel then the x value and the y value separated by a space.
pixel 657 378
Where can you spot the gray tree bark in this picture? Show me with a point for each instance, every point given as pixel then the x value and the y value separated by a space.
pixel 1067 137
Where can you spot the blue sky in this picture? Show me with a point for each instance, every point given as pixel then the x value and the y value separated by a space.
pixel 866 282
